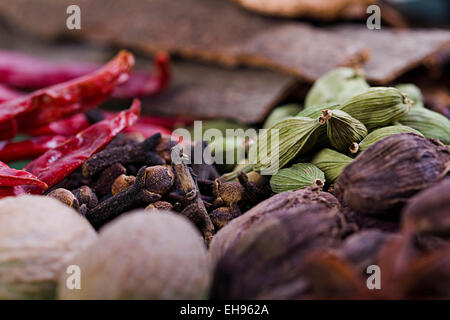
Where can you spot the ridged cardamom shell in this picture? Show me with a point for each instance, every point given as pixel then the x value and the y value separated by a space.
pixel 281 113
pixel 336 86
pixel 378 107
pixel 379 134
pixel 413 92
pixel 331 162
pixel 295 135
pixel 431 124
pixel 388 173
pixel 299 176
pixel 343 129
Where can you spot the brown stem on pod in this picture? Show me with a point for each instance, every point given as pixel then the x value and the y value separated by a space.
pixel 318 183
pixel 354 147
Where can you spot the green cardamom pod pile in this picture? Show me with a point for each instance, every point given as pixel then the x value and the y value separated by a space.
pixel 331 162
pixel 281 113
pixel 343 129
pixel 380 134
pixel 337 86
pixel 299 176
pixel 431 124
pixel 378 107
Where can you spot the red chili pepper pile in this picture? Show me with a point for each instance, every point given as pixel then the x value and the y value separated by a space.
pixel 62 135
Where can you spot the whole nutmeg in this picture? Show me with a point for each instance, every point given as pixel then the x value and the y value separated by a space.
pixel 66 197
pixel 38 238
pixel 121 183
pixel 160 179
pixel 143 256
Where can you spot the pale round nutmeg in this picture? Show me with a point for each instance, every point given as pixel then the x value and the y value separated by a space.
pixel 143 256
pixel 38 238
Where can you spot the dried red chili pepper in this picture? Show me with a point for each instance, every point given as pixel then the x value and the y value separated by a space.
pixel 10 177
pixel 65 99
pixel 25 71
pixel 28 149
pixel 7 93
pixel 58 163
pixel 66 127
pixel 11 191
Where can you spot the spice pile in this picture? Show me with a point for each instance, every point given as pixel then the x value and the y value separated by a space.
pixel 361 180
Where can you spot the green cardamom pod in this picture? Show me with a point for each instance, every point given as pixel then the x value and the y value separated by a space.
pixel 413 92
pixel 299 176
pixel 276 146
pixel 331 162
pixel 281 113
pixel 431 124
pixel 378 107
pixel 380 134
pixel 336 86
pixel 314 112
pixel 295 136
pixel 343 129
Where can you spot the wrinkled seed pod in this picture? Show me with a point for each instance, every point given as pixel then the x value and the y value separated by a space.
pixel 38 238
pixel 337 86
pixel 275 205
pixel 299 176
pixel 343 129
pixel 143 256
pixel 431 124
pixel 263 263
pixel 331 162
pixel 429 211
pixel 378 106
pixel 66 197
pixel 413 92
pixel 387 174
pixel 380 134
pixel 121 183
pixel 160 179
pixel 281 113
pixel 362 248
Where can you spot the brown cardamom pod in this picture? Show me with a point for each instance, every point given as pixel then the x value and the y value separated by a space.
pixel 381 179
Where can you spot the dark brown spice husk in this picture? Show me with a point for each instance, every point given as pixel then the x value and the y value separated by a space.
pixel 380 180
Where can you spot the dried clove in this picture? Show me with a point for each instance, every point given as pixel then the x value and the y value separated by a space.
pixel 128 154
pixel 221 216
pixel 159 205
pixel 102 186
pixel 196 210
pixel 254 192
pixel 160 179
pixel 86 196
pixel 121 183
pixel 133 197
pixel 66 197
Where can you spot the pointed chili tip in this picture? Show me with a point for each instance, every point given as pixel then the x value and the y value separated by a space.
pixel 162 59
pixel 126 57
pixel 136 107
